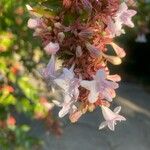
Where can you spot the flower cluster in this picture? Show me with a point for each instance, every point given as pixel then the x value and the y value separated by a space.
pixel 79 34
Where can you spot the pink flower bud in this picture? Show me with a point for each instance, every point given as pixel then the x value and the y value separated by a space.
pixel 33 23
pixel 51 48
pixel 119 51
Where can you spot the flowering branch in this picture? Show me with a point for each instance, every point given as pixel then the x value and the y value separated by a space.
pixel 78 32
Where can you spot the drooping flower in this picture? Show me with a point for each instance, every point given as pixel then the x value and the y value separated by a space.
pixel 51 48
pixel 100 86
pixel 69 86
pixel 111 117
pixel 124 15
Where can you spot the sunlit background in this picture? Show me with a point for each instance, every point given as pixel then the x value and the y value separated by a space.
pixel 25 122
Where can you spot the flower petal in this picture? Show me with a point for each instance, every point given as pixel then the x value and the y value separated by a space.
pixel 49 71
pixel 101 74
pixel 62 83
pixel 111 125
pixel 51 48
pixel 117 109
pixel 64 111
pixel 103 125
pixel 93 96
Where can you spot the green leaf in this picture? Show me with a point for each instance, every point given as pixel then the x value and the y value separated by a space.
pixel 9 100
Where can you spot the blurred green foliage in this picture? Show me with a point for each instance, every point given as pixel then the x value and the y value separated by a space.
pixel 19 60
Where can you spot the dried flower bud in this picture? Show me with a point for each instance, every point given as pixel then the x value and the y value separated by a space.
pixel 75 116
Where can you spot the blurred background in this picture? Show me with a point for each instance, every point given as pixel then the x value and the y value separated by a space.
pixel 26 119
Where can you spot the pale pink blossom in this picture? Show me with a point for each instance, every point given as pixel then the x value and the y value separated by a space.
pixel 69 84
pixel 111 117
pixel 100 86
pixel 114 28
pixel 69 87
pixel 124 15
pixel 52 48
pixel 34 23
